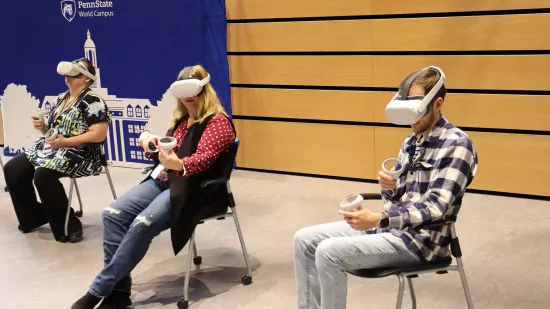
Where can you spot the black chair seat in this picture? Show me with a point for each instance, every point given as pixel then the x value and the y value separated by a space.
pixel 389 271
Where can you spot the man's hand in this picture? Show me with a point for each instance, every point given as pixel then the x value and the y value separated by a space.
pixel 362 219
pixel 59 142
pixel 385 180
pixel 170 161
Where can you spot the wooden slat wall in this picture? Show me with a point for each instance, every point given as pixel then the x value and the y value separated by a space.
pixel 258 9
pixel 369 106
pixel 509 72
pixel 501 32
pixel 329 79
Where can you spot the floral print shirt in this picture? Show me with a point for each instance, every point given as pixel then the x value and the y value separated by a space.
pixel 88 110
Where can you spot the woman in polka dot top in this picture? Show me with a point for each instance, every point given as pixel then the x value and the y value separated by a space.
pixel 170 197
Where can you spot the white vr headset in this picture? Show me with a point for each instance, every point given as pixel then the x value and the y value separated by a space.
pixel 405 110
pixel 74 69
pixel 188 86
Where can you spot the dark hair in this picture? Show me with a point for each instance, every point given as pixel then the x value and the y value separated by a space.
pixel 427 80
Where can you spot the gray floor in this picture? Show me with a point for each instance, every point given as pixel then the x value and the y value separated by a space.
pixel 504 245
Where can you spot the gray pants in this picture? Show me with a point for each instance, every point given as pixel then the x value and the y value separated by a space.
pixel 322 253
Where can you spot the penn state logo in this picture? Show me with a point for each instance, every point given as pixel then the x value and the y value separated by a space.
pixel 68 9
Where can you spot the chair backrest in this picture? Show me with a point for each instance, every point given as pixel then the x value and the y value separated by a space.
pixel 227 159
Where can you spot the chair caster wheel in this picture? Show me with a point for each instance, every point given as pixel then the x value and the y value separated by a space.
pixel 79 213
pixel 197 260
pixel 65 239
pixel 6 189
pixel 183 304
pixel 246 280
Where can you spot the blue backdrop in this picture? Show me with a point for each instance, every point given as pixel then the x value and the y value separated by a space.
pixel 141 47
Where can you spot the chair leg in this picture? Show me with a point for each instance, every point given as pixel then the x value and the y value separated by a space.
pixel 465 284
pixel 188 269
pixel 413 296
pixel 68 211
pixel 248 278
pixel 401 291
pixel 110 182
pixel 78 213
pixel 195 253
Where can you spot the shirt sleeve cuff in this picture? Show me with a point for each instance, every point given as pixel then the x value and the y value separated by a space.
pixel 396 220
pixel 183 172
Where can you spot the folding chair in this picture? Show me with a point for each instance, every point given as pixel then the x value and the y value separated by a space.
pixel 74 185
pixel 439 267
pixel 230 212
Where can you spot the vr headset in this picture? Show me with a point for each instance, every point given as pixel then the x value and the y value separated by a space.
pixel 74 69
pixel 405 110
pixel 188 86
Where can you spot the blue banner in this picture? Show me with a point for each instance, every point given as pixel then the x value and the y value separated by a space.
pixel 137 46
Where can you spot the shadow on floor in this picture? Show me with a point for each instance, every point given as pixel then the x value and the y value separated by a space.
pixel 163 284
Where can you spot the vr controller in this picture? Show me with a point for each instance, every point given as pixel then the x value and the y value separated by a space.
pixel 51 134
pixel 155 142
pixel 398 167
pixel 352 201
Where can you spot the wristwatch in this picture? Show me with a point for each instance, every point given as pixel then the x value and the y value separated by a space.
pixel 384 220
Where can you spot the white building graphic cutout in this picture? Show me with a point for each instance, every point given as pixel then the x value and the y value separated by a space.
pixel 130 117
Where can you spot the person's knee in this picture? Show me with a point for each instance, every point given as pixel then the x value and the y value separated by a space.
pixel 10 168
pixel 145 226
pixel 13 168
pixel 328 251
pixel 110 213
pixel 306 240
pixel 303 237
pixel 43 177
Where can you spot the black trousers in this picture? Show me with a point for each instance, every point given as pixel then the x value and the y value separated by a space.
pixel 19 174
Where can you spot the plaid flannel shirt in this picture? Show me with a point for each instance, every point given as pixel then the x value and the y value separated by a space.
pixel 430 188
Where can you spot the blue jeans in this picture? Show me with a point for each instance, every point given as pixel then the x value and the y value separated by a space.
pixel 323 253
pixel 129 225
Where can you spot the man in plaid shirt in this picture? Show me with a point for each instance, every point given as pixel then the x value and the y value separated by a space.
pixel 439 162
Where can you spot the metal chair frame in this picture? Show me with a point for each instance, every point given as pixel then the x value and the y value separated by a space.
pixel 197 260
pixel 74 187
pixel 413 272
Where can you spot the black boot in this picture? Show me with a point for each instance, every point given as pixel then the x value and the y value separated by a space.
pixel 27 229
pixel 116 300
pixel 75 233
pixel 87 301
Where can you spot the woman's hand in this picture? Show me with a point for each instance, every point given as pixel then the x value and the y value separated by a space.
pixel 170 161
pixel 59 142
pixel 39 124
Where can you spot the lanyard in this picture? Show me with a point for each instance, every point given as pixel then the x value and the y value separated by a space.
pixel 66 107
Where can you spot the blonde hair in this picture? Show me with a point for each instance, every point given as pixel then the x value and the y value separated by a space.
pixel 208 101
